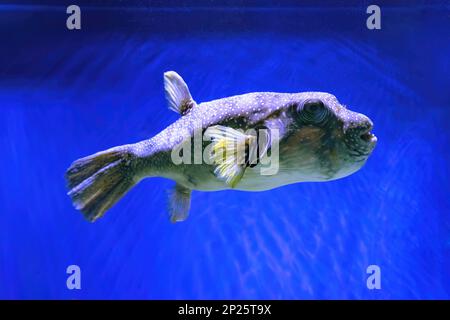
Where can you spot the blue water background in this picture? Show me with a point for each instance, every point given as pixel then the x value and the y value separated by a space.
pixel 66 94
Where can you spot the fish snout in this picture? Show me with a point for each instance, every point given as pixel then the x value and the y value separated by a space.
pixel 359 127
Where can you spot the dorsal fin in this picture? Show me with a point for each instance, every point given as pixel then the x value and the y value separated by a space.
pixel 177 93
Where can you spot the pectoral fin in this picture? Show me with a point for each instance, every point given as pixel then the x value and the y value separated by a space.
pixel 179 203
pixel 229 152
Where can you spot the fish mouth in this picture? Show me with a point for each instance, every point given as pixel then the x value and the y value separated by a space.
pixel 367 136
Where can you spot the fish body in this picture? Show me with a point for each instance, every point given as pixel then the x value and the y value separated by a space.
pixel 251 142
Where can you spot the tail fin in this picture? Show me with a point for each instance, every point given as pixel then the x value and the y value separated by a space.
pixel 98 181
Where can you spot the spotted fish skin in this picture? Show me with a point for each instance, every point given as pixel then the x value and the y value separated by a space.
pixel 318 139
pixel 238 112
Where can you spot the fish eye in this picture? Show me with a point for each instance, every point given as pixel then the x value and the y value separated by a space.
pixel 313 110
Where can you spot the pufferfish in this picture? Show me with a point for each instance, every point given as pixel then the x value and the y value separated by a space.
pixel 314 137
